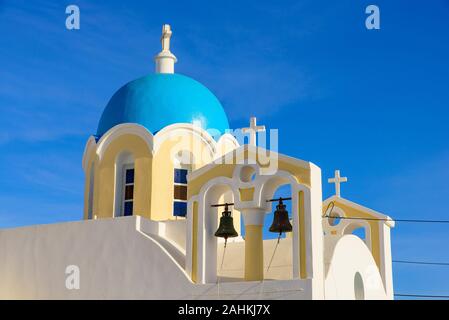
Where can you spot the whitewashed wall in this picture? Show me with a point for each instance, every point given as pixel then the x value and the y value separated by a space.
pixel 117 260
pixel 344 258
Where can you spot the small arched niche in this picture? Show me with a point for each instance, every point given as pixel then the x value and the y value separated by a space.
pixel 359 288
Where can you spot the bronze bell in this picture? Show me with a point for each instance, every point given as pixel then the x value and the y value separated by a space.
pixel 281 222
pixel 226 228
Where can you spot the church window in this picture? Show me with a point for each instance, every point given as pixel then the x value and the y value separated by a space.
pixel 180 192
pixel 128 194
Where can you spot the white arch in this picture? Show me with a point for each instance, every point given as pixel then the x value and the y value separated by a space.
pixel 226 138
pixel 154 142
pixel 181 129
pixel 122 129
pixel 207 243
pixel 264 186
pixel 348 226
pixel 91 145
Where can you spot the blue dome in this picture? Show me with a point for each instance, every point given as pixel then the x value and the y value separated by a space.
pixel 158 100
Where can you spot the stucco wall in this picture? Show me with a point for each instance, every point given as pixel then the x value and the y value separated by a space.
pixel 344 258
pixel 234 260
pixel 116 260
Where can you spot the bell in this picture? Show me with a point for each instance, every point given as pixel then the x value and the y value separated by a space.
pixel 226 228
pixel 281 222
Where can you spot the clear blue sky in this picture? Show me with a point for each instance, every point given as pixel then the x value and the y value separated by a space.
pixel 374 104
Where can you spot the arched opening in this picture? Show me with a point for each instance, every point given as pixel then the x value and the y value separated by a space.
pixel 360 232
pixel 359 288
pixel 229 266
pixel 284 191
pixel 230 261
pixel 359 229
pixel 124 185
pixel 279 258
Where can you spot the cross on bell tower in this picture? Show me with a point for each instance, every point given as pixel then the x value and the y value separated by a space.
pixel 337 179
pixel 252 130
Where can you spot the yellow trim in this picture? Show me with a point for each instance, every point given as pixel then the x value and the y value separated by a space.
pixel 246 194
pixel 87 189
pixel 194 186
pixel 302 236
pixel 374 227
pixel 93 160
pixel 253 267
pixel 163 170
pixel 142 187
pixel 302 175
pixel 194 241
pixel 253 253
pixel 105 187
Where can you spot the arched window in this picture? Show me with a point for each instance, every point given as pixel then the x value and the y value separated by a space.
pixel 128 192
pixel 124 186
pixel 182 166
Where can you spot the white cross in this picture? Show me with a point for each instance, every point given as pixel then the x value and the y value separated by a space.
pixel 253 129
pixel 337 180
pixel 165 38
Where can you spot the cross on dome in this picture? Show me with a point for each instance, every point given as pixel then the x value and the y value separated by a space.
pixel 337 179
pixel 165 60
pixel 165 38
pixel 252 130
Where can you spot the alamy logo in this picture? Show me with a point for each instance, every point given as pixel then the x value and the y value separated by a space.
pixel 373 20
pixel 73 20
pixel 72 282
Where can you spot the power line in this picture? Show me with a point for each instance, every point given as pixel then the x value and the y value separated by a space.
pixel 420 296
pixel 422 262
pixel 391 220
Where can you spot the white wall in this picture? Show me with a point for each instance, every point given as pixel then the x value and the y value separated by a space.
pixel 117 260
pixel 344 258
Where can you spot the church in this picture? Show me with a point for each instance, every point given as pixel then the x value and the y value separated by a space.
pixel 175 204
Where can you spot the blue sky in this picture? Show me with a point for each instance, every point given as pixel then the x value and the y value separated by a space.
pixel 374 104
